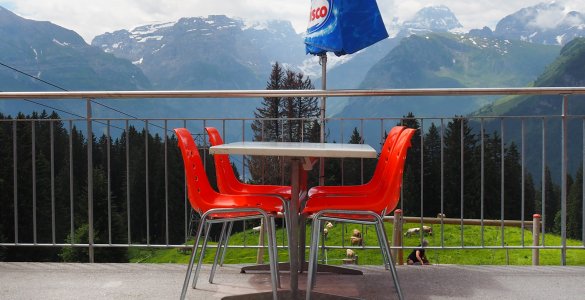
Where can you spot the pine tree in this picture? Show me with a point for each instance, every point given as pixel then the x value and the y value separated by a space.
pixel 6 181
pixel 432 172
pixel 177 205
pixel 282 119
pixel 530 197
pixel 357 171
pixel 412 175
pixel 552 201
pixel 454 174
pixel 575 208
pixel 298 109
pixel 513 183
pixel 267 124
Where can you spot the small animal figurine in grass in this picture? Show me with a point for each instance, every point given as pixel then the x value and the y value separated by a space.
pixel 356 238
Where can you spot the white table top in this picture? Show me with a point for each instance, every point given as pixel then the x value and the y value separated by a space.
pixel 296 149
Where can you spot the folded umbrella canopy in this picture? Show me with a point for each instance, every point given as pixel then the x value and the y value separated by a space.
pixel 343 26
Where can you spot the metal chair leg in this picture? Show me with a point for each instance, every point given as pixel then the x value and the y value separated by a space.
pixel 313 253
pixel 380 242
pixel 392 266
pixel 289 233
pixel 316 260
pixel 192 260
pixel 323 254
pixel 217 251
pixel 272 258
pixel 385 235
pixel 227 241
pixel 198 268
pixel 274 249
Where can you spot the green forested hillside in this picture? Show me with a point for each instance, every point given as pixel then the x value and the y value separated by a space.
pixel 567 70
pixel 62 59
pixel 59 55
pixel 449 61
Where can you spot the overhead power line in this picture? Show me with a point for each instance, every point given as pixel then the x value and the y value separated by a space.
pixel 66 90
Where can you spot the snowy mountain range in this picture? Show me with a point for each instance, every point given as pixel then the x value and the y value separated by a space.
pixel 430 19
pixel 219 52
pixel 545 23
pixel 233 46
pixel 214 52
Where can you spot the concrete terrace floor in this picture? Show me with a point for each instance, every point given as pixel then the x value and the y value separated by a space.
pixel 164 281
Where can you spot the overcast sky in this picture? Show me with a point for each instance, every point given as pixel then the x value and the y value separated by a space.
pixel 90 17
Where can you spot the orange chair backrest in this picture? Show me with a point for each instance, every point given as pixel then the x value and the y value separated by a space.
pixel 379 182
pixel 396 169
pixel 386 150
pixel 383 194
pixel 227 182
pixel 214 137
pixel 200 192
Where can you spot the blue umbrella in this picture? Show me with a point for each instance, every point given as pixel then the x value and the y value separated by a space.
pixel 342 27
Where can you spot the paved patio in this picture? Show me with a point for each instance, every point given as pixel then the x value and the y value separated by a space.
pixel 163 281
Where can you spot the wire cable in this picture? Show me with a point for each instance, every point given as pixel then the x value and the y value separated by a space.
pixel 66 90
pixel 70 113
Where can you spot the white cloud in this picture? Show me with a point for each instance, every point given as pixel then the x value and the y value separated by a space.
pixel 90 18
pixel 548 19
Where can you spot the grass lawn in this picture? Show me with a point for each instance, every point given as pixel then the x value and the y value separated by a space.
pixel 451 233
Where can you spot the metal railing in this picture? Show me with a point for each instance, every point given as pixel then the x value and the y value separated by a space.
pixel 106 124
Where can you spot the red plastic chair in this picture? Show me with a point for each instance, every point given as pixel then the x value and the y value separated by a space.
pixel 367 207
pixel 228 183
pixel 221 208
pixel 376 179
pixel 376 182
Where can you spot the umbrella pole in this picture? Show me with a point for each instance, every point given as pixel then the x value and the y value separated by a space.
pixel 323 62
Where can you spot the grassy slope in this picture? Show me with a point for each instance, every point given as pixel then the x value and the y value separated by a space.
pixel 451 233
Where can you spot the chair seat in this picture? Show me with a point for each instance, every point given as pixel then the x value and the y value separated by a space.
pixel 283 191
pixel 346 189
pixel 267 203
pixel 356 202
pixel 350 217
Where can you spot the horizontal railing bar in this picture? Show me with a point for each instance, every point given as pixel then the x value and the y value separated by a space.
pixel 294 93
pixel 297 119
pixel 457 221
pixel 162 246
pixel 119 245
pixel 459 247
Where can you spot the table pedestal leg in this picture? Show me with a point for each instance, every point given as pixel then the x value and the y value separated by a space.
pixel 298 239
pixel 294 226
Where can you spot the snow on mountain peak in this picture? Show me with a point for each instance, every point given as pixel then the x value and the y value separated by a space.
pixel 271 26
pixel 152 28
pixel 62 44
pixel 430 19
pixel 545 23
pixel 255 24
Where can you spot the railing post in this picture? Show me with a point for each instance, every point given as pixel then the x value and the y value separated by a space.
pixel 535 239
pixel 564 183
pixel 15 178
pixel 90 180
pixel 323 61
pixel 397 237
